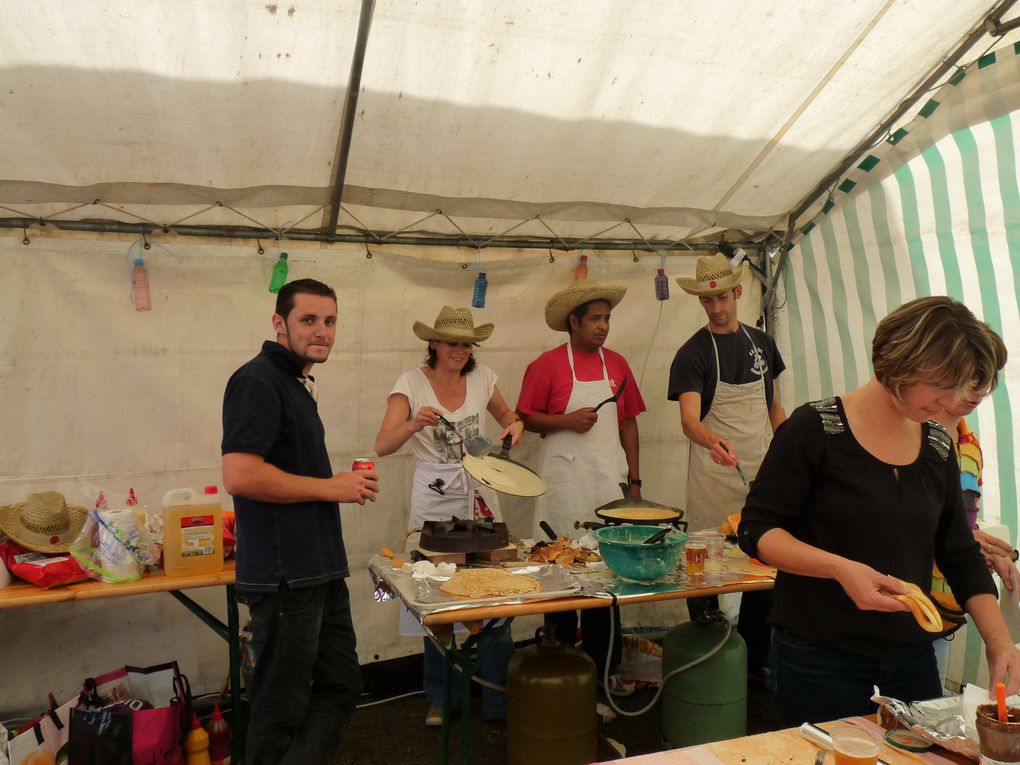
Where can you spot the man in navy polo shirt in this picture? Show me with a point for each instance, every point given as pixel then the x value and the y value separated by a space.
pixel 291 562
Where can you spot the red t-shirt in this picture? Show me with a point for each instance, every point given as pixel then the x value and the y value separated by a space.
pixel 548 383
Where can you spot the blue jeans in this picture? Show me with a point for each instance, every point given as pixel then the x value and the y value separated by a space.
pixel 306 681
pixel 494 653
pixel 594 635
pixel 815 684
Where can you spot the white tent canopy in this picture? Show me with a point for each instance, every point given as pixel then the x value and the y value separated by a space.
pixel 654 125
pixel 685 118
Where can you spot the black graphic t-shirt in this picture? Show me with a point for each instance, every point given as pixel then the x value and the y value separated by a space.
pixel 740 361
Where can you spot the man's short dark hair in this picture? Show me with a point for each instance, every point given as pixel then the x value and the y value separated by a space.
pixel 285 298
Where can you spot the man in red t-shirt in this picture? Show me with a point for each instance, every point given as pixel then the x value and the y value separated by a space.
pixel 585 454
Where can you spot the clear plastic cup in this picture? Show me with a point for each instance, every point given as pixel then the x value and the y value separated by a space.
pixel 714 542
pixel 854 745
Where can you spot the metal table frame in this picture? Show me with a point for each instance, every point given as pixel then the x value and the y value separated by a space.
pixel 441 625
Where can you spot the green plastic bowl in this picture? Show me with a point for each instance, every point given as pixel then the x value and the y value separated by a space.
pixel 625 555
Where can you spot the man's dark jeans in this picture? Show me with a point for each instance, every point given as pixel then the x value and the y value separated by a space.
pixel 818 684
pixel 594 635
pixel 306 681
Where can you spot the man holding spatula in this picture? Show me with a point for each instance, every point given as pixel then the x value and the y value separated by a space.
pixel 586 454
pixel 724 378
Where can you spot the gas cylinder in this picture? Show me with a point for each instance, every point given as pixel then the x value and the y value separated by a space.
pixel 707 702
pixel 551 697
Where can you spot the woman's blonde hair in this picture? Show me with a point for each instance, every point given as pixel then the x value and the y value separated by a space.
pixel 938 341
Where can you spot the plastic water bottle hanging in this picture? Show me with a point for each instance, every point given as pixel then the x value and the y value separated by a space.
pixel 661 285
pixel 140 294
pixel 581 272
pixel 481 285
pixel 280 270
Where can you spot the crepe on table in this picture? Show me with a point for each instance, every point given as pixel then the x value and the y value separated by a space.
pixel 488 583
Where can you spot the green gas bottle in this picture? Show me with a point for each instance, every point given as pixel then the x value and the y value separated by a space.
pixel 551 696
pixel 707 702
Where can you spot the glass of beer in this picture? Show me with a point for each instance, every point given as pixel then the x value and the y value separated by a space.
pixel 853 745
pixel 696 550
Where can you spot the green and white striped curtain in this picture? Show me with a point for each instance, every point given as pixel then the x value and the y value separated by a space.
pixel 934 210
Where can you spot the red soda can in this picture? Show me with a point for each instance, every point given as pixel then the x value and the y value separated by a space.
pixel 363 463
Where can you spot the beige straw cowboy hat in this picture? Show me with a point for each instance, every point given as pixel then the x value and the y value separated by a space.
pixel 44 522
pixel 578 293
pixel 712 276
pixel 454 325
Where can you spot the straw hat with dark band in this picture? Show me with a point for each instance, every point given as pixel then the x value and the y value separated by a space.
pixel 44 522
pixel 712 276
pixel 580 292
pixel 454 325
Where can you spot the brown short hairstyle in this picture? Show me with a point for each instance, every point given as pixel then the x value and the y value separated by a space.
pixel 285 297
pixel 938 341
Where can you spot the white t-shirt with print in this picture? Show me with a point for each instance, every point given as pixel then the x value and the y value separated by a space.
pixel 438 444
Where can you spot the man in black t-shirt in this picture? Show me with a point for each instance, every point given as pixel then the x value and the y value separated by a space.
pixel 291 562
pixel 724 378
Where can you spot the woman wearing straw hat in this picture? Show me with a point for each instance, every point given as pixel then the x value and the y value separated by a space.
pixel 454 386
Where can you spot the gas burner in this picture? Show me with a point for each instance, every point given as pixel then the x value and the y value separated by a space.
pixel 462 535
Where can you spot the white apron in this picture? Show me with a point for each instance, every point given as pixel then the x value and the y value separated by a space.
pixel 429 505
pixel 582 470
pixel 740 415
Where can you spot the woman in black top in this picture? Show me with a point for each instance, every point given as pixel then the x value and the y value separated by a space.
pixel 859 492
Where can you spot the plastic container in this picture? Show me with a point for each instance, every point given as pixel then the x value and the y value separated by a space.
pixel 219 738
pixel 707 702
pixel 481 285
pixel 661 285
pixel 192 532
pixel 280 270
pixel 140 294
pixel 581 270
pixel 196 745
pixel 1000 741
pixel 623 551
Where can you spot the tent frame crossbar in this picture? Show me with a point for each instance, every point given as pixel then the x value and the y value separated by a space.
pixel 374 238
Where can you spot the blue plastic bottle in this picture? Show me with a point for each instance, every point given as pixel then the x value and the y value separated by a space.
pixel 481 285
pixel 279 277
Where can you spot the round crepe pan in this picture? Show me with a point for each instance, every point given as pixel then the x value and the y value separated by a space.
pixel 630 510
pixel 500 473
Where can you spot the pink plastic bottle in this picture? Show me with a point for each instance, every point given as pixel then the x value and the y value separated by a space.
pixel 140 286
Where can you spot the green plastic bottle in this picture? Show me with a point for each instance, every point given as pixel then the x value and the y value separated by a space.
pixel 279 278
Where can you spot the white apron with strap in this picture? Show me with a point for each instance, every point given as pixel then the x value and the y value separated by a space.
pixel 457 501
pixel 739 414
pixel 582 470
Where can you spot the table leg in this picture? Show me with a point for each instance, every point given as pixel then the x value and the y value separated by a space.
pixel 230 633
pixel 462 656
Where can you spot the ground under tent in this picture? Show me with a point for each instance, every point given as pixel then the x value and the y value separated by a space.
pixel 99 395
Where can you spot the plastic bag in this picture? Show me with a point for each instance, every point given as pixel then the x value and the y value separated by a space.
pixel 42 569
pixel 114 545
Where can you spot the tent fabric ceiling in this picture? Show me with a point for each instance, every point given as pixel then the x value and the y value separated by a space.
pixel 685 118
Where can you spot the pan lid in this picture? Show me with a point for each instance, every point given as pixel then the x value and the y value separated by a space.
pixel 504 475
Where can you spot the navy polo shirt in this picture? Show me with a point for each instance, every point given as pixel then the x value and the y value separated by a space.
pixel 267 411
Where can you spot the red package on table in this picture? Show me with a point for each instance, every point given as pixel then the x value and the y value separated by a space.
pixel 229 538
pixel 42 569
